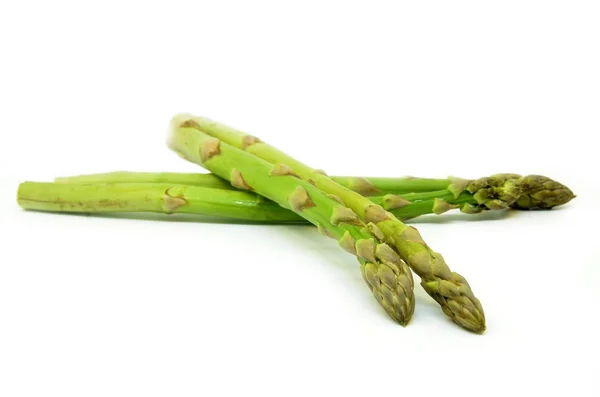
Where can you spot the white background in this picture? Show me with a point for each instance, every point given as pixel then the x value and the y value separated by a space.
pixel 125 307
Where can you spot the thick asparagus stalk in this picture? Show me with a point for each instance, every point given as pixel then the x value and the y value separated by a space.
pixel 448 288
pixel 386 274
pixel 151 197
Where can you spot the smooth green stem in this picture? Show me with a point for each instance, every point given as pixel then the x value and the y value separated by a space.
pixel 524 193
pixel 386 185
pixel 369 186
pixel 151 197
pixel 262 209
pixel 425 203
pixel 177 178
pixel 420 203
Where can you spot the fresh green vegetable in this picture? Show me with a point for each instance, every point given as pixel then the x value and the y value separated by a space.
pixel 255 182
pixel 151 197
pixel 535 191
pixel 448 288
pixel 386 274
pixel 224 203
pixel 491 193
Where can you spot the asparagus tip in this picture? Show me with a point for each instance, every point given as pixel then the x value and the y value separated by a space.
pixel 540 192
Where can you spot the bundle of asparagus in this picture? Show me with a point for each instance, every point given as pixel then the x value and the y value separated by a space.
pixel 253 181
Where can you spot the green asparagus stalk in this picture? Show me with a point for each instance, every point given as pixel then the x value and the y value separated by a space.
pixel 448 288
pixel 228 204
pixel 379 186
pixel 151 197
pixel 496 192
pixel 386 274
pixel 536 192
pixel 366 186
pixel 175 178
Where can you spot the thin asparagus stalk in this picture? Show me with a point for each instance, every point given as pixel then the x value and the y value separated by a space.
pixel 536 192
pixel 386 274
pixel 491 193
pixel 379 186
pixel 366 186
pixel 176 178
pixel 151 197
pixel 448 288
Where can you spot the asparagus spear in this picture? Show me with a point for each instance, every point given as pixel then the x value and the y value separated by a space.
pixel 448 288
pixel 386 274
pixel 365 186
pixel 224 203
pixel 537 192
pixel 496 192
pixel 151 197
